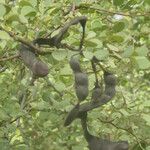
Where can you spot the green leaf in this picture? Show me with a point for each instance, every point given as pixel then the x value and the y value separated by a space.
pixel 101 54
pixel 118 27
pixel 142 51
pixel 96 24
pixel 13 17
pixel 40 105
pixel 128 51
pixel 146 117
pixel 4 35
pixel 118 2
pixel 90 35
pixel 112 47
pixel 2 10
pixel 59 54
pixel 88 55
pixel 116 38
pixel 27 10
pixel 142 62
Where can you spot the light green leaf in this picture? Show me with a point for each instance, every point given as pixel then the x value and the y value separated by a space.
pixel 26 10
pixel 2 10
pixel 146 117
pixel 112 47
pixel 90 35
pixel 40 105
pixel 101 54
pixel 142 51
pixel 142 62
pixel 89 55
pixel 59 54
pixel 128 51
pixel 4 35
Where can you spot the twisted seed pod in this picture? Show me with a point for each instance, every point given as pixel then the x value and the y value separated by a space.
pixel 96 93
pixel 109 79
pixel 72 115
pixel 81 92
pixel 81 79
pixel 110 90
pixel 39 68
pixel 75 64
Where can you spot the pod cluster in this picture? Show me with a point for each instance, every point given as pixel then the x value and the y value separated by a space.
pixel 81 79
pixel 38 67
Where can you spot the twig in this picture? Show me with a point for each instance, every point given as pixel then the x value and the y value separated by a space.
pixel 147 14
pixel 28 43
pixel 9 58
pixel 127 130
pixel 51 85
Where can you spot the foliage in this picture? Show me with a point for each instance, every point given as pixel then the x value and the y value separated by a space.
pixel 117 33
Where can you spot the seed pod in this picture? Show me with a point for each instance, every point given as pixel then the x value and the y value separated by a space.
pixel 75 64
pixel 72 115
pixel 40 69
pixel 81 79
pixel 109 78
pixel 110 90
pixel 96 93
pixel 81 92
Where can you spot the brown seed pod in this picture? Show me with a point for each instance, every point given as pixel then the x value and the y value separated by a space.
pixel 75 64
pixel 39 68
pixel 72 115
pixel 81 92
pixel 96 94
pixel 110 90
pixel 81 79
pixel 109 78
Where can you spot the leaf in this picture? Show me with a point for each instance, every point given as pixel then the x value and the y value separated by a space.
pixel 2 10
pixel 88 55
pixel 96 24
pixel 40 105
pixel 142 62
pixel 66 70
pixel 128 51
pixel 113 48
pixel 142 51
pixel 118 27
pixel 118 2
pixel 90 35
pixel 146 117
pixel 13 17
pixel 27 10
pixel 116 38
pixel 101 54
pixel 4 35
pixel 59 54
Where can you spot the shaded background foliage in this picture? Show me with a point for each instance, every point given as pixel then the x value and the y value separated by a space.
pixel 117 32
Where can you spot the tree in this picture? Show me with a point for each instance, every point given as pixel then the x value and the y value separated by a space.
pixel 117 34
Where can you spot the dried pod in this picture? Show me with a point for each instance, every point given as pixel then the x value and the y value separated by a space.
pixel 75 64
pixel 109 78
pixel 81 92
pixel 39 68
pixel 96 93
pixel 81 79
pixel 110 90
pixel 72 115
